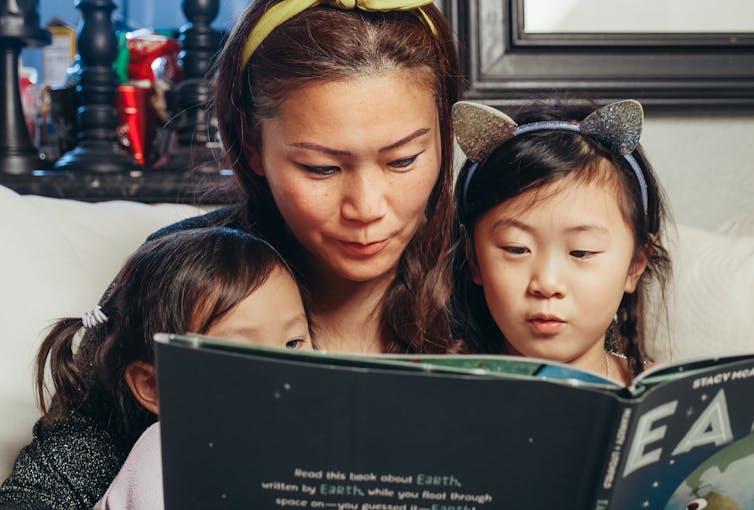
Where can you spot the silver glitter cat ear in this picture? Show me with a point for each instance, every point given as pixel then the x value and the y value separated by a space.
pixel 617 125
pixel 480 129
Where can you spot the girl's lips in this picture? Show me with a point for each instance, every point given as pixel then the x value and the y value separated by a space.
pixel 360 250
pixel 546 325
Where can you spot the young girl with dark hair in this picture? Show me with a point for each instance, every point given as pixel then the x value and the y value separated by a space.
pixel 561 220
pixel 215 281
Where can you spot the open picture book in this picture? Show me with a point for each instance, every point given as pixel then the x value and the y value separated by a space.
pixel 254 427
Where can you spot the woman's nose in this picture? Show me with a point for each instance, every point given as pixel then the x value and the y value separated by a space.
pixel 364 196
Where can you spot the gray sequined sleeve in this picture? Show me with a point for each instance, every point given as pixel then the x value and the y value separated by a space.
pixel 65 467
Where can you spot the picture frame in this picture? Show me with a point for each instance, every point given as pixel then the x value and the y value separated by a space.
pixel 505 65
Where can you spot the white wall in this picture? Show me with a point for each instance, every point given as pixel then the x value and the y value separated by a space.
pixel 705 160
pixel 638 16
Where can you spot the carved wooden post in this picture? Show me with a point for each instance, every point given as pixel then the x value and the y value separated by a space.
pixel 18 28
pixel 98 150
pixel 195 146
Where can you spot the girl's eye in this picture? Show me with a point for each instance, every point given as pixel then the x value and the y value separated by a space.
pixel 582 254
pixel 402 164
pixel 516 250
pixel 296 343
pixel 320 170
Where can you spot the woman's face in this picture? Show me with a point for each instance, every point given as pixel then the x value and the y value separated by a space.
pixel 351 165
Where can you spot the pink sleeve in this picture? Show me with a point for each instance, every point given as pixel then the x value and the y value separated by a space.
pixel 138 485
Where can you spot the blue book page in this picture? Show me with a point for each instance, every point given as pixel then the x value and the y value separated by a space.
pixel 499 365
pixel 470 365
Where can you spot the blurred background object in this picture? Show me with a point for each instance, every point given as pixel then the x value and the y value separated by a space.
pixel 19 28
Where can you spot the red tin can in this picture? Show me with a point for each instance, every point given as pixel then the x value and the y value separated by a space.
pixel 136 129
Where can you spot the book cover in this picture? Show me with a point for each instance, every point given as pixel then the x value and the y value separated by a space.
pixel 687 441
pixel 250 427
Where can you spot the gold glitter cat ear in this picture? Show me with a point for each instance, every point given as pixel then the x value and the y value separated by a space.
pixel 480 129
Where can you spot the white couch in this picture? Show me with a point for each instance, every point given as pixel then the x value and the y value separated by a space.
pixel 58 256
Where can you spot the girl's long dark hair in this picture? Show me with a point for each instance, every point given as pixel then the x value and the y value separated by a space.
pixel 531 161
pixel 181 282
pixel 330 44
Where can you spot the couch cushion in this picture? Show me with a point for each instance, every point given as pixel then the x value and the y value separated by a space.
pixel 57 257
pixel 711 300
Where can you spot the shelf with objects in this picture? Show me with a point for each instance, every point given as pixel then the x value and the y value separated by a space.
pixel 131 120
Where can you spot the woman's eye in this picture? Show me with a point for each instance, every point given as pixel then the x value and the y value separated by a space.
pixel 403 163
pixel 516 250
pixel 320 170
pixel 296 343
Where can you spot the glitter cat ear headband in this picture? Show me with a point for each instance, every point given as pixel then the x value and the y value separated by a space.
pixel 480 129
pixel 286 9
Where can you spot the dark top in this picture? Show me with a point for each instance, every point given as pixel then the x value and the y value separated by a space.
pixel 65 467
pixel 223 217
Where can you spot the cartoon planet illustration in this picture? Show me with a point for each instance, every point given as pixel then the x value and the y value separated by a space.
pixel 721 482
pixel 713 501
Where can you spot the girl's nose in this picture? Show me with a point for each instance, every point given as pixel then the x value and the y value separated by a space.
pixel 364 196
pixel 547 279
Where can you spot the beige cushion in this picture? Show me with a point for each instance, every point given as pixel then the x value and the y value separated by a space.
pixel 711 303
pixel 56 259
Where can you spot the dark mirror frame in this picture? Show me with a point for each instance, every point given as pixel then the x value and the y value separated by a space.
pixel 505 66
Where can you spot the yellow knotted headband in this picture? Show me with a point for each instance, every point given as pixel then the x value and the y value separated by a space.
pixel 285 10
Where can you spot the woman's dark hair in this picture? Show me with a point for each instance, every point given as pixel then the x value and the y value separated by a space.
pixel 181 282
pixel 533 160
pixel 328 44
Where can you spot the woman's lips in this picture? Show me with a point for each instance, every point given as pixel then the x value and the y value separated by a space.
pixel 361 250
pixel 546 325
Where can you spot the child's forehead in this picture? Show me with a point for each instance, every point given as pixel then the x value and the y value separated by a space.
pixel 601 176
pixel 564 201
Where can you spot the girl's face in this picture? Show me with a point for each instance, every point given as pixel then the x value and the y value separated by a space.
pixel 272 315
pixel 554 264
pixel 351 165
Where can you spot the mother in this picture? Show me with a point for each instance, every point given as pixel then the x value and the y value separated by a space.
pixel 337 124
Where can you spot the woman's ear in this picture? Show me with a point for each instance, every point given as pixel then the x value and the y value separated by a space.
pixel 255 162
pixel 141 378
pixel 638 265
pixel 254 156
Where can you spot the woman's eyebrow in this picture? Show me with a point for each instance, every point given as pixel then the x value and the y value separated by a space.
pixel 340 152
pixel 405 139
pixel 319 148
